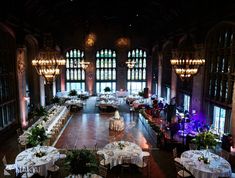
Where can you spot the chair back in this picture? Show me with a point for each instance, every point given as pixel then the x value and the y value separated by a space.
pixel 103 171
pixel 181 171
pixel 101 159
pixel 146 161
pixel 192 146
pixel 224 154
pixel 126 160
pixel 174 152
pixel 4 160
pixel 19 132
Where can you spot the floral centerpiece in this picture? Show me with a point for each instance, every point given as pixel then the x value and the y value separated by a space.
pixel 206 140
pixel 40 154
pixel 73 93
pixel 36 136
pixel 121 145
pixel 107 89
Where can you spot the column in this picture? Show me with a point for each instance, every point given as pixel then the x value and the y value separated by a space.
pixel 42 91
pixel 23 111
pixel 159 84
pixel 197 91
pixel 233 115
pixel 173 83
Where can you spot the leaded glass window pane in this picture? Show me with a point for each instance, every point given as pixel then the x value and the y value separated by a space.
pixel 105 70
pixel 75 75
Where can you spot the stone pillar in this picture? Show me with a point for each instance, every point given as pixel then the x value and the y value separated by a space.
pixel 173 83
pixel 122 68
pixel 21 60
pixel 149 74
pixel 159 84
pixel 197 89
pixel 54 88
pixel 233 115
pixel 62 79
pixel 173 77
pixel 42 91
pixel 90 71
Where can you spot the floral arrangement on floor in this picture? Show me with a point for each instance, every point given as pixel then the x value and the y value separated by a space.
pixel 121 145
pixel 81 162
pixel 36 136
pixel 206 140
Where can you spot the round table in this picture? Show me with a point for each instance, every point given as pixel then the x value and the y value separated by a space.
pixel 36 159
pixel 88 175
pixel 218 166
pixel 115 151
pixel 116 124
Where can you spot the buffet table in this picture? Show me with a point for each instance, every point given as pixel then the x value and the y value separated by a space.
pixel 56 113
pixel 36 160
pixel 218 166
pixel 115 151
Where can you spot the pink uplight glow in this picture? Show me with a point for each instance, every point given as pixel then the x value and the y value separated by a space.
pixel 23 113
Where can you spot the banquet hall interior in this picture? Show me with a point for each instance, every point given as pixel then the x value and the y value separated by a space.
pixel 117 89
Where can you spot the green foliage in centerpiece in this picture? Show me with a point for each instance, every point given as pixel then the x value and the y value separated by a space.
pixel 73 93
pixel 206 140
pixel 56 100
pixel 36 136
pixel 107 89
pixel 81 162
pixel 141 93
pixel 41 111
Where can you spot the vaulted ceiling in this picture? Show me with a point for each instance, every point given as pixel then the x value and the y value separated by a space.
pixel 153 18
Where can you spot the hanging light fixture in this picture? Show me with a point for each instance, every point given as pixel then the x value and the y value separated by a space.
pixel 130 64
pixel 84 64
pixel 186 68
pixel 48 63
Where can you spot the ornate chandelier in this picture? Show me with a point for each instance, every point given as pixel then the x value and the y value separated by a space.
pixel 48 63
pixel 186 68
pixel 130 64
pixel 84 64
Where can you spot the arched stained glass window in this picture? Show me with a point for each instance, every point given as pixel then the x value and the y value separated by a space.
pixel 136 76
pixel 105 70
pixel 75 75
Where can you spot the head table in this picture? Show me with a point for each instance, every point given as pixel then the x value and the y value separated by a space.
pixel 115 151
pixel 218 166
pixel 36 159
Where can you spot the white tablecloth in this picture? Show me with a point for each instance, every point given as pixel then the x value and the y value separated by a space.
pixel 27 161
pixel 76 102
pixel 116 124
pixel 113 153
pixel 218 167
pixel 104 104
